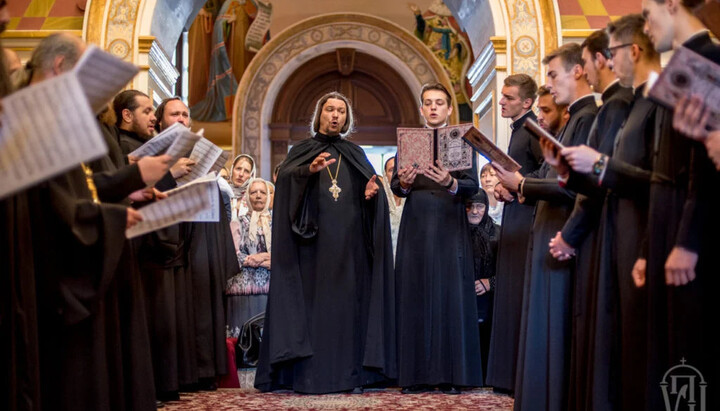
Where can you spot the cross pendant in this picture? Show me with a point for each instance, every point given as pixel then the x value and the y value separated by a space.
pixel 334 189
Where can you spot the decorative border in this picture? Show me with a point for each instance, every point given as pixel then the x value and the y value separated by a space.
pixel 307 35
pixel 120 29
pixel 525 36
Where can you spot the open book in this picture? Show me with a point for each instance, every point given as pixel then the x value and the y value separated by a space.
pixel 688 73
pixel 102 76
pixel 420 147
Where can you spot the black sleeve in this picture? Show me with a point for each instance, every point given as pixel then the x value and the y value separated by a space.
pixel 625 179
pixel 704 180
pixel 583 219
pixel 467 180
pixel 114 186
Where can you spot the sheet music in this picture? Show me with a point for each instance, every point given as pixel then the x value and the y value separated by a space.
pixel 211 214
pixel 182 204
pixel 102 76
pixel 208 158
pixel 175 140
pixel 47 128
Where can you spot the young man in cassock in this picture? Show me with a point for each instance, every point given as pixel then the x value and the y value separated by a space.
pixel 438 342
pixel 619 321
pixel 89 333
pixel 544 350
pixel 330 319
pixel 163 262
pixel 518 95
pixel 212 261
pixel 589 380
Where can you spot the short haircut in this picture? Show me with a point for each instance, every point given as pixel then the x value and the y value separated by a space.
pixel 631 29
pixel 570 54
pixel 387 161
pixel 54 45
pixel 160 111
pixel 543 91
pixel 688 4
pixel 126 100
pixel 349 125
pixel 527 87
pixel 486 168
pixel 435 86
pixel 597 42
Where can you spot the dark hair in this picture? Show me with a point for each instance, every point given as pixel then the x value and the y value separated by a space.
pixel 387 161
pixel 485 168
pixel 543 91
pixel 570 54
pixel 527 87
pixel 160 111
pixel 631 28
pixel 126 100
pixel 5 84
pixel 482 236
pixel 349 125
pixel 597 42
pixel 435 86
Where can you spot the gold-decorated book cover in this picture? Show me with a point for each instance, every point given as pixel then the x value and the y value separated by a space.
pixel 420 147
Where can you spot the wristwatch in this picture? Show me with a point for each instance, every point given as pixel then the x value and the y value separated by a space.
pixel 599 165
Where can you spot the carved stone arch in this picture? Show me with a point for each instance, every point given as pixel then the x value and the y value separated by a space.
pixel 274 64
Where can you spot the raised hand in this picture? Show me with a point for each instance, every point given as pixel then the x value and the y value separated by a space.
pixel 508 179
pixel 690 117
pixel 371 189
pixel 182 167
pixel 554 158
pixel 321 162
pixel 438 174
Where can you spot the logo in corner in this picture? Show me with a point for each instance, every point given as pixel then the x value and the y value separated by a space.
pixel 684 387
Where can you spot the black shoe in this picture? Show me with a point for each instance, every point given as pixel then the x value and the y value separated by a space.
pixel 168 396
pixel 159 404
pixel 449 389
pixel 357 390
pixel 207 384
pixel 415 389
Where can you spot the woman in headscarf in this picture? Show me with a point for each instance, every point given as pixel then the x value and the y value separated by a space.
pixel 252 233
pixel 243 169
pixel 483 233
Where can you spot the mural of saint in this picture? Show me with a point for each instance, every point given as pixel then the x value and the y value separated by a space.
pixel 439 30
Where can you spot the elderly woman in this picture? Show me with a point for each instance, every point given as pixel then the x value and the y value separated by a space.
pixel 252 234
pixel 243 169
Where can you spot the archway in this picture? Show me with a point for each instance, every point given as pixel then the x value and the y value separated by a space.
pixel 274 64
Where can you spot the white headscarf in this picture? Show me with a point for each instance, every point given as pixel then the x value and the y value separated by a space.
pixel 239 206
pixel 261 218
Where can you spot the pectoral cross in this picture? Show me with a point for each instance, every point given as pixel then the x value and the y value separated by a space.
pixel 334 189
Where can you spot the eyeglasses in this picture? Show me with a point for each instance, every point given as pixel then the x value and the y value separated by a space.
pixel 614 49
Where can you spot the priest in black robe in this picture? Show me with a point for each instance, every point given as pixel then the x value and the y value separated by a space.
pixel 212 261
pixel 518 96
pixel 545 330
pixel 330 319
pixel 682 226
pixel 589 376
pixel 438 341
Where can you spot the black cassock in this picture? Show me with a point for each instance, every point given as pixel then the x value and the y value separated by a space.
pixel 330 319
pixel 590 356
pixel 545 330
pixel 683 213
pixel 169 290
pixel 19 365
pixel 438 341
pixel 619 315
pixel 510 271
pixel 80 330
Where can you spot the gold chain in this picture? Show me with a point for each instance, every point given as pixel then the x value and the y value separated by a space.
pixel 90 183
pixel 337 170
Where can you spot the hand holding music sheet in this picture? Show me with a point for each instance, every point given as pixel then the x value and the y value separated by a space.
pixel 541 133
pixel 687 74
pixel 196 201
pixel 208 158
pixel 175 141
pixel 47 128
pixel 102 76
